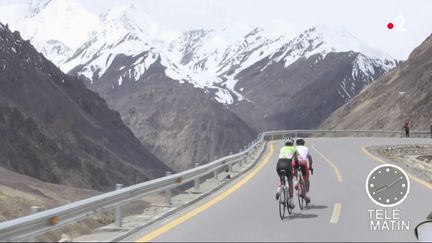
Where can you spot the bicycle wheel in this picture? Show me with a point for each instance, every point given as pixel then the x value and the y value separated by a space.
pixel 301 194
pixel 282 203
pixel 289 202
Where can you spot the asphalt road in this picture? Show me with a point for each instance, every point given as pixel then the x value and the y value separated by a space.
pixel 338 211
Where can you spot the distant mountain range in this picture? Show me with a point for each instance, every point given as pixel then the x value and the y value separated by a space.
pixel 201 94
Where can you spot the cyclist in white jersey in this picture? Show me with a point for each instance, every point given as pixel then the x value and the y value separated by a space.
pixel 304 157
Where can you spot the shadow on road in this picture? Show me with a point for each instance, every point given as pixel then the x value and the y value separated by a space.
pixel 311 206
pixel 300 216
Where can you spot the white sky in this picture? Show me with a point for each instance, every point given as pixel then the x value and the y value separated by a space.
pixel 366 19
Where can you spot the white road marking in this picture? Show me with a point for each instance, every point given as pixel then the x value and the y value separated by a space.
pixel 336 213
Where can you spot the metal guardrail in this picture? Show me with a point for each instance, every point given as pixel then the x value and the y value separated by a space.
pixel 36 224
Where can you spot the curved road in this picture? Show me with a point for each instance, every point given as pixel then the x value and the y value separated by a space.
pixel 246 210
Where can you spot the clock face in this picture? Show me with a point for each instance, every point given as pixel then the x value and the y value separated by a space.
pixel 387 185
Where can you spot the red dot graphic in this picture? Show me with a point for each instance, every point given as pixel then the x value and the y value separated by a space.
pixel 390 26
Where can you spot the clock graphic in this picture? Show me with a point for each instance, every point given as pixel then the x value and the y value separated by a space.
pixel 387 185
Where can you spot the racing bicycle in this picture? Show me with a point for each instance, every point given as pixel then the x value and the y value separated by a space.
pixel 284 199
pixel 301 189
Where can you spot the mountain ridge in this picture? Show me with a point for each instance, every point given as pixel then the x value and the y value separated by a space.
pixel 57 130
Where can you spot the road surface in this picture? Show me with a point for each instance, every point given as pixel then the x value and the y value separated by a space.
pixel 246 210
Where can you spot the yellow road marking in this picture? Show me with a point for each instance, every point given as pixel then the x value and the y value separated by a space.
pixel 336 170
pixel 378 159
pixel 177 221
pixel 336 213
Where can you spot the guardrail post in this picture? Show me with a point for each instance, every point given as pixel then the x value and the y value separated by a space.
pixel 118 211
pixel 168 192
pixel 230 165
pixel 241 160
pixel 216 175
pixel 197 180
pixel 35 209
pixel 216 172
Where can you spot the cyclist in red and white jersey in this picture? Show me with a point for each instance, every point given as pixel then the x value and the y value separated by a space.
pixel 304 157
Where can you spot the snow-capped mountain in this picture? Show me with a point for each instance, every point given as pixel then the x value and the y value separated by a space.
pixel 226 53
pixel 214 57
pixel 127 31
pixel 36 6
pixel 124 31
pixel 55 27
pixel 220 51
pixel 323 40
pixel 325 66
pixel 66 21
pixel 84 44
pixel 56 51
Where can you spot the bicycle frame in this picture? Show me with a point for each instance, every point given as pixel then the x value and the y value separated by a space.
pixel 301 190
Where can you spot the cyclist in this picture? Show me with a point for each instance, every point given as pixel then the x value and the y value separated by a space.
pixel 303 158
pixel 287 155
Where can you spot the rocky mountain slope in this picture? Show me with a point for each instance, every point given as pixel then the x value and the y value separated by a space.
pixel 178 122
pixel 401 95
pixel 53 128
pixel 162 105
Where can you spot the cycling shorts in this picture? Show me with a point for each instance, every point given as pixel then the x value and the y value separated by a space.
pixel 284 165
pixel 303 166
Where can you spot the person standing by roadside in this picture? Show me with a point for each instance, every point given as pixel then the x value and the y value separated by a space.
pixel 407 128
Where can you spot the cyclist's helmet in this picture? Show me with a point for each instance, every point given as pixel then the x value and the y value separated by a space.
pixel 289 141
pixel 300 142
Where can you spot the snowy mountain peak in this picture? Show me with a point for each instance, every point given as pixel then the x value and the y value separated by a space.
pixel 123 31
pixel 35 6
pixel 323 40
pixel 128 18
pixel 342 40
pixel 56 51
pixel 64 20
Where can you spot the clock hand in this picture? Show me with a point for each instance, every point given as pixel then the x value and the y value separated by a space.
pixel 394 182
pixel 387 186
pixel 381 188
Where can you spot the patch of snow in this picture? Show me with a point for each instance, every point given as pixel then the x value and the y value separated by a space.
pixel 224 97
pixel 120 80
